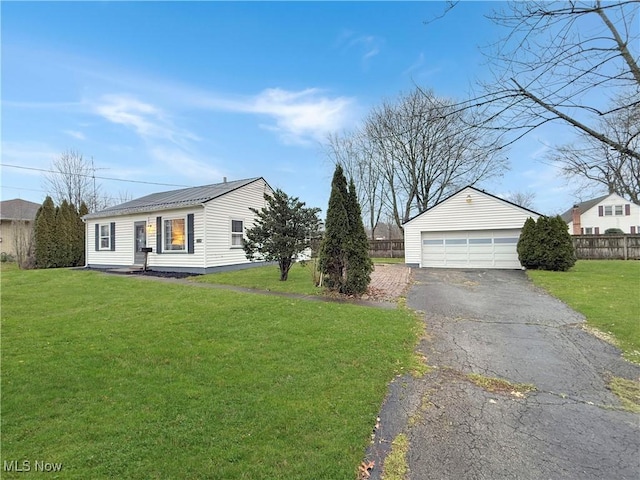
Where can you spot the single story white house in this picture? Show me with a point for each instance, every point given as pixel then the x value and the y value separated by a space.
pixel 595 216
pixel 195 230
pixel 469 229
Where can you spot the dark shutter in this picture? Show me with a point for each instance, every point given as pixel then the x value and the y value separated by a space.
pixel 158 234
pixel 97 237
pixel 190 248
pixel 596 230
pixel 627 209
pixel 600 211
pixel 633 229
pixel 112 233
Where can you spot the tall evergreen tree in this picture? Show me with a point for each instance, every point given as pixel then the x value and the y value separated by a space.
pixel 359 265
pixel 79 243
pixel 344 250
pixel 332 255
pixel 45 234
pixel 65 234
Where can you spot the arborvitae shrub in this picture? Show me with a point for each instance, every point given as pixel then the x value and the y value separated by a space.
pixel 344 250
pixel 526 245
pixel 359 264
pixel 545 244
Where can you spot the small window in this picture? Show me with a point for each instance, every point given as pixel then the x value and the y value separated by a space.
pixel 105 237
pixel 618 210
pixel 506 240
pixel 455 241
pixel 432 242
pixel 608 210
pixel 479 241
pixel 175 235
pixel 588 231
pixel 237 233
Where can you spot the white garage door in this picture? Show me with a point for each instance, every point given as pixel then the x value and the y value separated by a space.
pixel 471 249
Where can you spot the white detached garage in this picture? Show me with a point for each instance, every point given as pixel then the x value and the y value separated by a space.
pixel 469 229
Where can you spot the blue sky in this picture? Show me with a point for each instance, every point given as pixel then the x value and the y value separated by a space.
pixel 188 93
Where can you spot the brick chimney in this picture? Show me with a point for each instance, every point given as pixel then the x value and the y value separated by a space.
pixel 575 218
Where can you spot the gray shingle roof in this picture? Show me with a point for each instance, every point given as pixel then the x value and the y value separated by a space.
pixel 184 197
pixel 18 209
pixel 582 207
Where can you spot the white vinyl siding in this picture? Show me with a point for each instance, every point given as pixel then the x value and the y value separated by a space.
pixel 221 212
pixel 212 235
pixel 123 255
pixel 470 219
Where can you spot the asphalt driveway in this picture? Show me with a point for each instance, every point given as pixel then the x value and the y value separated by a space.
pixel 497 324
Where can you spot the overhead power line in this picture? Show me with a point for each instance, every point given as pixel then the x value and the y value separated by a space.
pixel 91 176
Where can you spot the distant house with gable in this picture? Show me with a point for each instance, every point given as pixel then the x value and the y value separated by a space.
pixel 596 216
pixel 17 219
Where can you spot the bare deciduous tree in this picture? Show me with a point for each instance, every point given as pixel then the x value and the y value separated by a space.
pixel 602 165
pixel 565 61
pixel 73 180
pixel 356 155
pixel 427 149
pixel 524 199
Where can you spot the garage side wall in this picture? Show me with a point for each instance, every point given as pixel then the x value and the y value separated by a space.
pixel 467 210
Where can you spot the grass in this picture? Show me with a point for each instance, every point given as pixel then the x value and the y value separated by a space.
pixel 395 465
pixel 499 385
pixel 606 292
pixel 118 377
pixel 383 260
pixel 300 279
pixel 628 391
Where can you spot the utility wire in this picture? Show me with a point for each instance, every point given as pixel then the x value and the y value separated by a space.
pixel 91 176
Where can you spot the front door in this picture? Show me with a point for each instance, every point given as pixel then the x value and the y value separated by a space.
pixel 140 234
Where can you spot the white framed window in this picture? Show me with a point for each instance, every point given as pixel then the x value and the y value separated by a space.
pixel 105 236
pixel 618 210
pixel 608 210
pixel 237 233
pixel 175 234
pixel 588 231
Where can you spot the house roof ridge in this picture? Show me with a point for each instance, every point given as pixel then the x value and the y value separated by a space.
pixel 178 198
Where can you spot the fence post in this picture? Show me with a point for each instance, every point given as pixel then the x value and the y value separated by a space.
pixel 625 247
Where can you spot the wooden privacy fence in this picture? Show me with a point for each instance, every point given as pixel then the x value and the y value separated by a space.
pixel 624 247
pixel 386 248
pixel 377 248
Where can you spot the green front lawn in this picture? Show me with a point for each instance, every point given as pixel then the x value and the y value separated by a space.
pixel 607 292
pixel 300 279
pixel 116 377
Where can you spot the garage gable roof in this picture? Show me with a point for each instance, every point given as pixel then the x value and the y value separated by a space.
pixel 478 191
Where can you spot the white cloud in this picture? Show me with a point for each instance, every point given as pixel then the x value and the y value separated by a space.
pixel 147 120
pixel 75 134
pixel 367 45
pixel 186 165
pixel 299 116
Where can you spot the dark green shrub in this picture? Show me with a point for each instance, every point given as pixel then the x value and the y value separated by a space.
pixel 526 245
pixel 344 251
pixel 613 231
pixel 546 245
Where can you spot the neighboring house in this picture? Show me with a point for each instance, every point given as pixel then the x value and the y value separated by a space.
pixel 16 224
pixel 469 229
pixel 595 216
pixel 196 230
